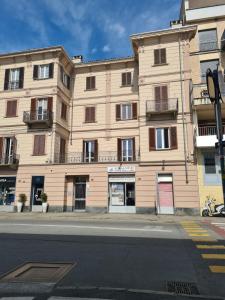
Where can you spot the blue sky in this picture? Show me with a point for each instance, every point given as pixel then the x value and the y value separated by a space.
pixel 96 29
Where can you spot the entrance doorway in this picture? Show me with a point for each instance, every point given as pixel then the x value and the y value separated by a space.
pixel 165 203
pixel 122 194
pixel 80 186
pixel 37 187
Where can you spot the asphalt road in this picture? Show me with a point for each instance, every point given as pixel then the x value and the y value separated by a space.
pixel 113 259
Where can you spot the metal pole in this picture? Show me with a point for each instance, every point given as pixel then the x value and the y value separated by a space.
pixel 219 129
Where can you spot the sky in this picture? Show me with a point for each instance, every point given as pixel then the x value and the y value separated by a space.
pixel 96 29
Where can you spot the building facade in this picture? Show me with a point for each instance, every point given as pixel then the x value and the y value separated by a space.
pixel 121 135
pixel 207 51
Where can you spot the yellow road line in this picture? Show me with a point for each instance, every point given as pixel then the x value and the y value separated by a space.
pixel 209 239
pixel 198 234
pixel 213 256
pixel 210 246
pixel 217 269
pixel 196 230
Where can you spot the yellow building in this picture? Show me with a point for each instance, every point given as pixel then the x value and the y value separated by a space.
pixel 207 51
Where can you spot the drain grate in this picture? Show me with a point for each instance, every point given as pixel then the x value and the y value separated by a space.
pixel 186 288
pixel 38 273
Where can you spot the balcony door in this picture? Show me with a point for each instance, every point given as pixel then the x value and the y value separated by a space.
pixel 9 145
pixel 42 106
pixel 161 98
pixel 80 192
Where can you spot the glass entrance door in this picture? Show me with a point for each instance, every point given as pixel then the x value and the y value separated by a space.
pixel 80 193
pixel 42 109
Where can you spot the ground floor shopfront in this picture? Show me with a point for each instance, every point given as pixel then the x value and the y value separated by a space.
pixel 116 188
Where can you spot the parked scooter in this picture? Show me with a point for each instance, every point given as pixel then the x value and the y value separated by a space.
pixel 213 210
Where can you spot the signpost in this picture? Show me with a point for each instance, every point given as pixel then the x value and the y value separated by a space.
pixel 214 91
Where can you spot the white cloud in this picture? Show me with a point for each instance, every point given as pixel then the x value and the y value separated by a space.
pixel 106 48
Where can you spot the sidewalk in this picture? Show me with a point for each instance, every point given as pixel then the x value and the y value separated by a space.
pixel 74 216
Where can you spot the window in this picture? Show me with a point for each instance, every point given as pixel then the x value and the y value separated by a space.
pixel 39 145
pixel 41 108
pixel 14 79
pixel 208 40
pixel 212 64
pixel 11 108
pixel 126 149
pixel 161 98
pixel 90 83
pixel 90 151
pixel 126 111
pixel 43 71
pixel 162 138
pixel 210 164
pixel 126 78
pixel 90 114
pixel 65 78
pixel 160 56
pixel 64 111
pixel 7 150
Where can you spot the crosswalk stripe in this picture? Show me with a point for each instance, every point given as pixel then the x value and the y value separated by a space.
pixel 197 230
pixel 213 256
pixel 210 246
pixel 204 240
pixel 198 234
pixel 217 269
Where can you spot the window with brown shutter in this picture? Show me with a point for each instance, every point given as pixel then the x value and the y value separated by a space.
pixel 118 112
pixel 160 56
pixel 90 83
pixel 173 137
pixel 126 78
pixel 119 149
pixel 134 110
pixel 62 150
pixel 64 111
pixel 39 145
pixel 161 98
pixel 152 145
pixel 11 108
pixel 90 114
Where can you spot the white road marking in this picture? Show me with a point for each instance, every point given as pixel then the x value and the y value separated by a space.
pixel 223 224
pixel 86 227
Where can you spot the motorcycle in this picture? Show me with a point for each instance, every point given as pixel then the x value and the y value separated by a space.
pixel 212 209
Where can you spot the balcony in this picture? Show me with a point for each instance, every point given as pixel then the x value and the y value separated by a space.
pixel 208 46
pixel 38 120
pixel 201 101
pixel 102 157
pixel 11 161
pixel 158 107
pixel 206 136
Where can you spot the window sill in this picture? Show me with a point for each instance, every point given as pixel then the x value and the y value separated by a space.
pixel 123 120
pixel 126 85
pixel 42 78
pixel 158 65
pixel 38 154
pixel 88 90
pixel 9 117
pixel 91 122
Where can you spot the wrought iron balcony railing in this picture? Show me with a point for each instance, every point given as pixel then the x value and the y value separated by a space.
pixel 102 157
pixel 208 130
pixel 31 117
pixel 7 160
pixel 162 106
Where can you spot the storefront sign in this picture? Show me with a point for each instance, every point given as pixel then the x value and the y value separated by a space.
pixel 121 169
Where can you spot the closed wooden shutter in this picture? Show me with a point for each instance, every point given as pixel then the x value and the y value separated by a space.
pixel 64 111
pixel 118 112
pixel 157 93
pixel 128 78
pixel 163 56
pixel 90 114
pixel 93 82
pixel 68 82
pixel 96 151
pixel 14 145
pixel 134 149
pixel 152 145
pixel 84 154
pixel 35 72
pixel 51 70
pixel 50 102
pixel 11 108
pixel 39 145
pixel 119 149
pixel 173 137
pixel 6 83
pixel 33 109
pixel 1 148
pixel 88 83
pixel 62 150
pixel 61 73
pixel 164 92
pixel 134 108
pixel 124 79
pixel 21 77
pixel 156 57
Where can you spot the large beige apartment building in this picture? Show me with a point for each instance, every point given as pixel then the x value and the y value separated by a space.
pixel 114 135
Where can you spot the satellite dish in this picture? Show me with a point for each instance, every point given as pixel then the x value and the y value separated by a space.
pixel 221 77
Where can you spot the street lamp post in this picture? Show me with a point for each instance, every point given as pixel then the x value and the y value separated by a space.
pixel 215 97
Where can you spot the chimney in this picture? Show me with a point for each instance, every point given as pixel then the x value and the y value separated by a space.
pixel 77 59
pixel 176 24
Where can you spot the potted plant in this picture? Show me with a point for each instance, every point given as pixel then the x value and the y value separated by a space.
pixel 44 198
pixel 21 201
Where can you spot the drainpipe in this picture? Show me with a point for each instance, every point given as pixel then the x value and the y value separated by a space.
pixel 182 107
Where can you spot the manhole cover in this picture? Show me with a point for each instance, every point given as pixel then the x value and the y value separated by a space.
pixel 186 288
pixel 38 272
